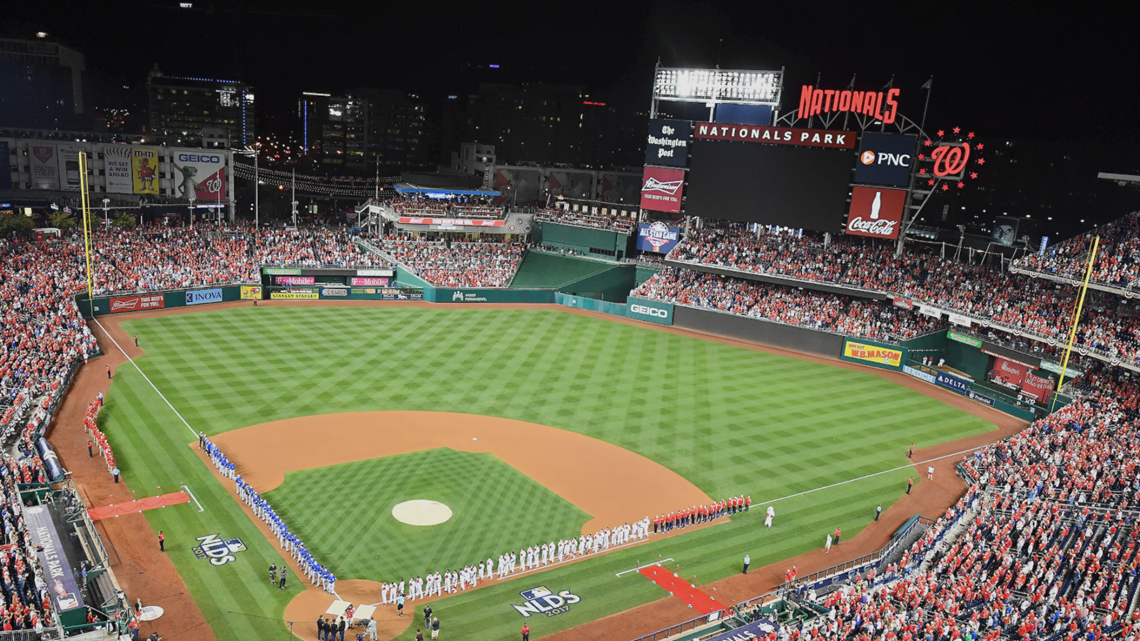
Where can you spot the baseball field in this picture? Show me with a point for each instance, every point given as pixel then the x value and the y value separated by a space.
pixel 531 425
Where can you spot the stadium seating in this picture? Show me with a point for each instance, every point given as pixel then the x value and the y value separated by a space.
pixel 474 263
pixel 996 299
pixel 1117 262
pixel 791 306
pixel 423 208
pixel 582 219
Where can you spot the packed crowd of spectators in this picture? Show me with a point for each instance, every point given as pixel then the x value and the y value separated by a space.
pixel 472 207
pixel 457 263
pixel 609 220
pixel 871 319
pixel 993 297
pixel 1117 261
pixel 1043 546
pixel 24 600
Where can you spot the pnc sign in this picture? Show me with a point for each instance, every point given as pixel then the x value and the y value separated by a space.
pixel 885 159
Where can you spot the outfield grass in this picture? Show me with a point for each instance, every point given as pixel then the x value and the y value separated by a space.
pixel 345 513
pixel 730 420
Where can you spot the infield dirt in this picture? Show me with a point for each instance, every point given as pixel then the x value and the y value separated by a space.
pixel 143 571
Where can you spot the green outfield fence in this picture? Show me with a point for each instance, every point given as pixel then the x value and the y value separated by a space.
pixel 118 303
pixel 636 308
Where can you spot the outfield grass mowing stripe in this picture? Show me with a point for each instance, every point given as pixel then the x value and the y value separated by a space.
pixel 728 419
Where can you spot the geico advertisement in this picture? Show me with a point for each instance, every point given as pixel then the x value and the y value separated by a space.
pixel 199 174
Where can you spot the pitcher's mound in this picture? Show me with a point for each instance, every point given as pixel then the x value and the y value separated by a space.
pixel 421 512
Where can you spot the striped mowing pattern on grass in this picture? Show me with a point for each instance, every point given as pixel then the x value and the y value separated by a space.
pixel 344 512
pixel 730 420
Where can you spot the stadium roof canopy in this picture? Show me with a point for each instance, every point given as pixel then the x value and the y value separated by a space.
pixel 442 192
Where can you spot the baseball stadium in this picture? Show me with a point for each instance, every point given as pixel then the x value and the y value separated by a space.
pixel 705 417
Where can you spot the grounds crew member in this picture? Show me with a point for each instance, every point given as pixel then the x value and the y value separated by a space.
pixel 526 632
pixel 161 541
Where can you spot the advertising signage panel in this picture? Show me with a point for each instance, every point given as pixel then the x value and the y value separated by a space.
pixel 668 143
pixel 875 212
pixel 885 159
pixel 661 189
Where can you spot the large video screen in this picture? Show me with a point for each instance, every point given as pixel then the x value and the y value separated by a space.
pixel 785 185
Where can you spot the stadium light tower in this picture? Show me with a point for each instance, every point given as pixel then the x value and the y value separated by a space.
pixel 716 86
pixel 251 150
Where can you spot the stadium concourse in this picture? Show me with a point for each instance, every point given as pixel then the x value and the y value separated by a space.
pixel 1041 546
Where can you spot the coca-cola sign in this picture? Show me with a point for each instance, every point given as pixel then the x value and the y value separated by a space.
pixel 876 212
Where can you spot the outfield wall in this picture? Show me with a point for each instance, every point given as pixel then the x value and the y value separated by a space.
pixel 596 242
pixel 756 330
pixel 163 300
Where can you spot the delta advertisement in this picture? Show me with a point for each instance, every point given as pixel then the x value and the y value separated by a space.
pixel 668 143
pixel 68 158
pixel 117 164
pixel 950 381
pixel 657 237
pixel 57 567
pixel 250 293
pixel 144 171
pixel 204 296
pixel 876 213
pixel 44 167
pixel 661 189
pixel 879 355
pixel 1008 372
pixel 137 303
pixel 885 159
pixel 199 174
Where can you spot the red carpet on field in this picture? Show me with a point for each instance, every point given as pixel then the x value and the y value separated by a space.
pixel 682 589
pixel 134 507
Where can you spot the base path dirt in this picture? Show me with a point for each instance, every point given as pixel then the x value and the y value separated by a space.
pixel 137 561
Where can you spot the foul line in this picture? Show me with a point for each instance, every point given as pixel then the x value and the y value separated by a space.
pixel 200 508
pixel 640 567
pixel 152 385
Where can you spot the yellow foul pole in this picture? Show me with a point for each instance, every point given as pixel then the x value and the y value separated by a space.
pixel 1077 316
pixel 84 198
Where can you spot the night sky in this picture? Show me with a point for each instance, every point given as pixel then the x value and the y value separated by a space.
pixel 1019 71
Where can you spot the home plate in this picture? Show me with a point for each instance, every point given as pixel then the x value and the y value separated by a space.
pixel 421 512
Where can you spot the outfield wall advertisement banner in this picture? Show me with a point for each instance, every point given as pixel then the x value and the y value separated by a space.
pixel 334 292
pixel 281 271
pixel 650 310
pixel 117 165
pixel 144 171
pixel 962 338
pixel 755 630
pixel 880 355
pixel 294 296
pixel 1008 372
pixel 44 167
pixel 200 174
pixel 137 303
pixel 387 273
pixel 57 567
pixel 981 398
pixel 295 280
pixel 919 374
pixel 950 381
pixel 1038 386
pixel 204 296
pixel 369 282
pixel 657 237
pixel 250 293
pixel 661 189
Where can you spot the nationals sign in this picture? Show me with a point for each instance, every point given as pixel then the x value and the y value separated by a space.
pixel 777 135
pixel 661 189
pixel 136 303
pixel 876 212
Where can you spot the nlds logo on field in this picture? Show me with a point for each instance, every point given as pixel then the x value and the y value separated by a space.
pixel 542 600
pixel 219 551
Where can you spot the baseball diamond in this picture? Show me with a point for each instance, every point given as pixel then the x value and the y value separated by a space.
pixel 277 388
